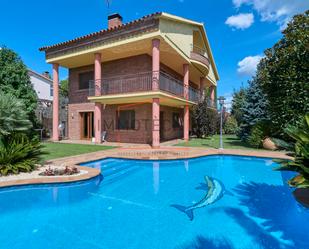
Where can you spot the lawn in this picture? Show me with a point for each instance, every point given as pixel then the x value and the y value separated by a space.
pixel 229 142
pixel 58 150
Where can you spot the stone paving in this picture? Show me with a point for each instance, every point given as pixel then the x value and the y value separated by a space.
pixel 134 152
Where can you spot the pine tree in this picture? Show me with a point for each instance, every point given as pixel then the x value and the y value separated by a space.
pixel 238 103
pixel 254 109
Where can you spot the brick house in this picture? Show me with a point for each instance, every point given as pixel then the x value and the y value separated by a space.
pixel 135 82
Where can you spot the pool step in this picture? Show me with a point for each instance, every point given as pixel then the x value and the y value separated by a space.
pixel 110 165
pixel 115 169
pixel 116 175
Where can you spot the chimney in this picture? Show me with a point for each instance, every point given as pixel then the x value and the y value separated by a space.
pixel 114 20
pixel 46 74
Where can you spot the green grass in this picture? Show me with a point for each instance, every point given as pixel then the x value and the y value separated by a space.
pixel 229 142
pixel 58 150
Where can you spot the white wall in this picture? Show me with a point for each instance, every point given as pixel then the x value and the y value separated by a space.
pixel 42 86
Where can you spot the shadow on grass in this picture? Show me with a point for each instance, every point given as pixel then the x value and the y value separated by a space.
pixel 210 146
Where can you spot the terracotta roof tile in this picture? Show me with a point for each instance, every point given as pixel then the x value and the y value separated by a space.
pixel 101 32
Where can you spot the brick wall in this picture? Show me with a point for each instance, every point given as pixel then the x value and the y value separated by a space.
pixel 168 131
pixel 131 65
pixel 74 118
pixel 143 123
pixel 142 132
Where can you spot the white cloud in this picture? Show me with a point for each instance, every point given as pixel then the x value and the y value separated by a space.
pixel 241 21
pixel 247 66
pixel 279 11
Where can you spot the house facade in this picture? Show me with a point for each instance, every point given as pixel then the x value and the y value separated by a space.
pixel 43 86
pixel 135 82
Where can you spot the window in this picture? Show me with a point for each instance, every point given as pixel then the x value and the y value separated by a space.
pixel 126 120
pixel 84 79
pixel 176 120
pixel 51 91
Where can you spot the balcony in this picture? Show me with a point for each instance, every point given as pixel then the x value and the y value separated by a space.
pixel 199 57
pixel 142 82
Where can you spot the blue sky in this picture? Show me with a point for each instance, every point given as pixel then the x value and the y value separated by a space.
pixel 239 30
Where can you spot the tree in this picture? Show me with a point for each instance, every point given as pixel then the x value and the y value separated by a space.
pixel 230 125
pixel 205 119
pixel 13 117
pixel 254 108
pixel 18 153
pixel 237 104
pixel 283 76
pixel 14 80
pixel 64 88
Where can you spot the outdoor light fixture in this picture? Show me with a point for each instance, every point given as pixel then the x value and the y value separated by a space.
pixel 221 103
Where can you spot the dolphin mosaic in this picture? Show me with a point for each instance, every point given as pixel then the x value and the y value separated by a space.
pixel 215 191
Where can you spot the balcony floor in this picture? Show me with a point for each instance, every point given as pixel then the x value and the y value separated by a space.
pixel 142 97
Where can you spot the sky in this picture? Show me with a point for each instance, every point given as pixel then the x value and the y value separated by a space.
pixel 238 30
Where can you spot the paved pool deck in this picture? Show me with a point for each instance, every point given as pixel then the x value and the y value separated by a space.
pixel 131 151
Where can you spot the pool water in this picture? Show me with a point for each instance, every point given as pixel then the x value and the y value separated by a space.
pixel 208 202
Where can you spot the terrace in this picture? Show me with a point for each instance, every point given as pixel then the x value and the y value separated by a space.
pixel 143 82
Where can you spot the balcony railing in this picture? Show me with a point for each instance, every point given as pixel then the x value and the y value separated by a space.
pixel 142 82
pixel 199 54
pixel 198 50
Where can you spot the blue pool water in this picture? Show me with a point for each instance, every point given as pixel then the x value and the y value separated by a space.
pixel 143 204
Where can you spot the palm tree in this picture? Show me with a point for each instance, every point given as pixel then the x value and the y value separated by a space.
pixel 13 117
pixel 18 153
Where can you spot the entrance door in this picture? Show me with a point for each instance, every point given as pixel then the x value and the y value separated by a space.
pixel 161 126
pixel 87 127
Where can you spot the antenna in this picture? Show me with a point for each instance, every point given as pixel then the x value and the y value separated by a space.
pixel 108 2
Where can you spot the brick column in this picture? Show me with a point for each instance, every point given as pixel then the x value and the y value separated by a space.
pixel 98 106
pixel 202 87
pixel 212 94
pixel 155 64
pixel 55 102
pixel 155 122
pixel 186 81
pixel 186 96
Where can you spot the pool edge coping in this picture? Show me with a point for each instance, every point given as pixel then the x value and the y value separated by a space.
pixel 93 172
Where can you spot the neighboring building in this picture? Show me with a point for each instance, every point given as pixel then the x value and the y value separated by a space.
pixel 43 86
pixel 137 81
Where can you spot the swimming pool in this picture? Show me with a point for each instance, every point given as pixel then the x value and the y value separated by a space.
pixel 208 202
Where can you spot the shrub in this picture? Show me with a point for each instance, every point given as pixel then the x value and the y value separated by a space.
pixel 257 134
pixel 19 154
pixel 300 163
pixel 205 120
pixel 230 126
